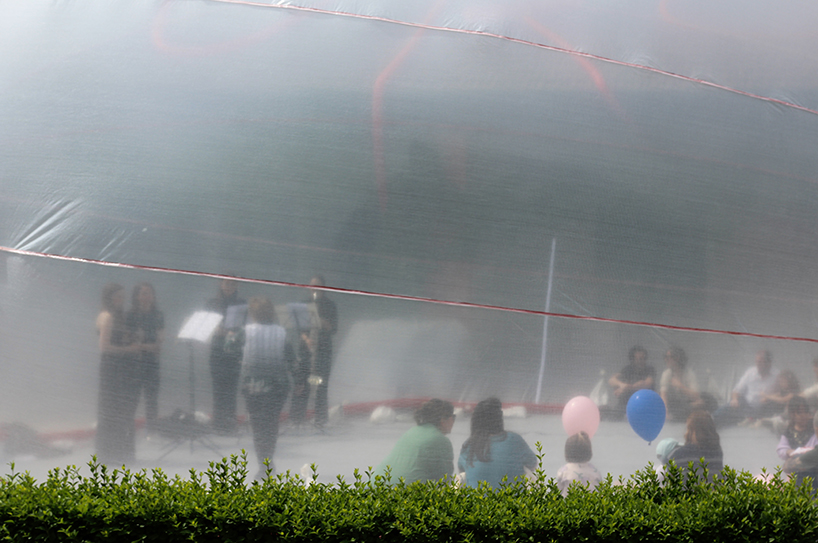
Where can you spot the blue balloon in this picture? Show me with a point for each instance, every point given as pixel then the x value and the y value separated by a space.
pixel 646 414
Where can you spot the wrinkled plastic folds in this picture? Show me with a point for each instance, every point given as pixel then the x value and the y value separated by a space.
pixel 430 150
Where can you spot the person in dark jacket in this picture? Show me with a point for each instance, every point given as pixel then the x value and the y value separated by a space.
pixel 225 355
pixel 702 445
pixel 315 357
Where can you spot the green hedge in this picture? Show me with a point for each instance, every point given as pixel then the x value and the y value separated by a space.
pixel 221 505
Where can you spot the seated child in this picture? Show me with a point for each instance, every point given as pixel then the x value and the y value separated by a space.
pixel 578 454
pixel 664 449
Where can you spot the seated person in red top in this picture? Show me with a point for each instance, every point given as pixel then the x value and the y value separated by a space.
pixel 635 376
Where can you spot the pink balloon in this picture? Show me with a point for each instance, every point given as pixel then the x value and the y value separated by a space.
pixel 580 414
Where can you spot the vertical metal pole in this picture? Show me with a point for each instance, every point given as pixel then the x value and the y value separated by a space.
pixel 545 323
pixel 192 387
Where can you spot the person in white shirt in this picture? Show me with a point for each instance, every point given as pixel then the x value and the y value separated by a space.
pixel 748 401
pixel 811 393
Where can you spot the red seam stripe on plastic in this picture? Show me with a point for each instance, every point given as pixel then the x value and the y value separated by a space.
pixel 529 43
pixel 469 305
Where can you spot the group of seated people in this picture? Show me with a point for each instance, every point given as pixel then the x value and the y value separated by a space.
pixel 491 454
pixel 796 447
pixel 678 385
pixel 761 394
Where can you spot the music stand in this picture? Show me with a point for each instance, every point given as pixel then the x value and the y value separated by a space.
pixel 181 426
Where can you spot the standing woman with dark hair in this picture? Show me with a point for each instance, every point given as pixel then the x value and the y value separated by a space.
pixel 424 453
pixel 491 453
pixel 265 383
pixel 117 375
pixel 225 355
pixel 147 323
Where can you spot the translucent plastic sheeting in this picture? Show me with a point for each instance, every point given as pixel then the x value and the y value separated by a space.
pixel 206 136
pixel 384 349
pixel 432 150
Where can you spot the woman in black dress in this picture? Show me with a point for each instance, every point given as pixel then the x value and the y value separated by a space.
pixel 147 324
pixel 117 372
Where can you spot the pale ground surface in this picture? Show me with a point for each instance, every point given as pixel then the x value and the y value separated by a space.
pixel 356 443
